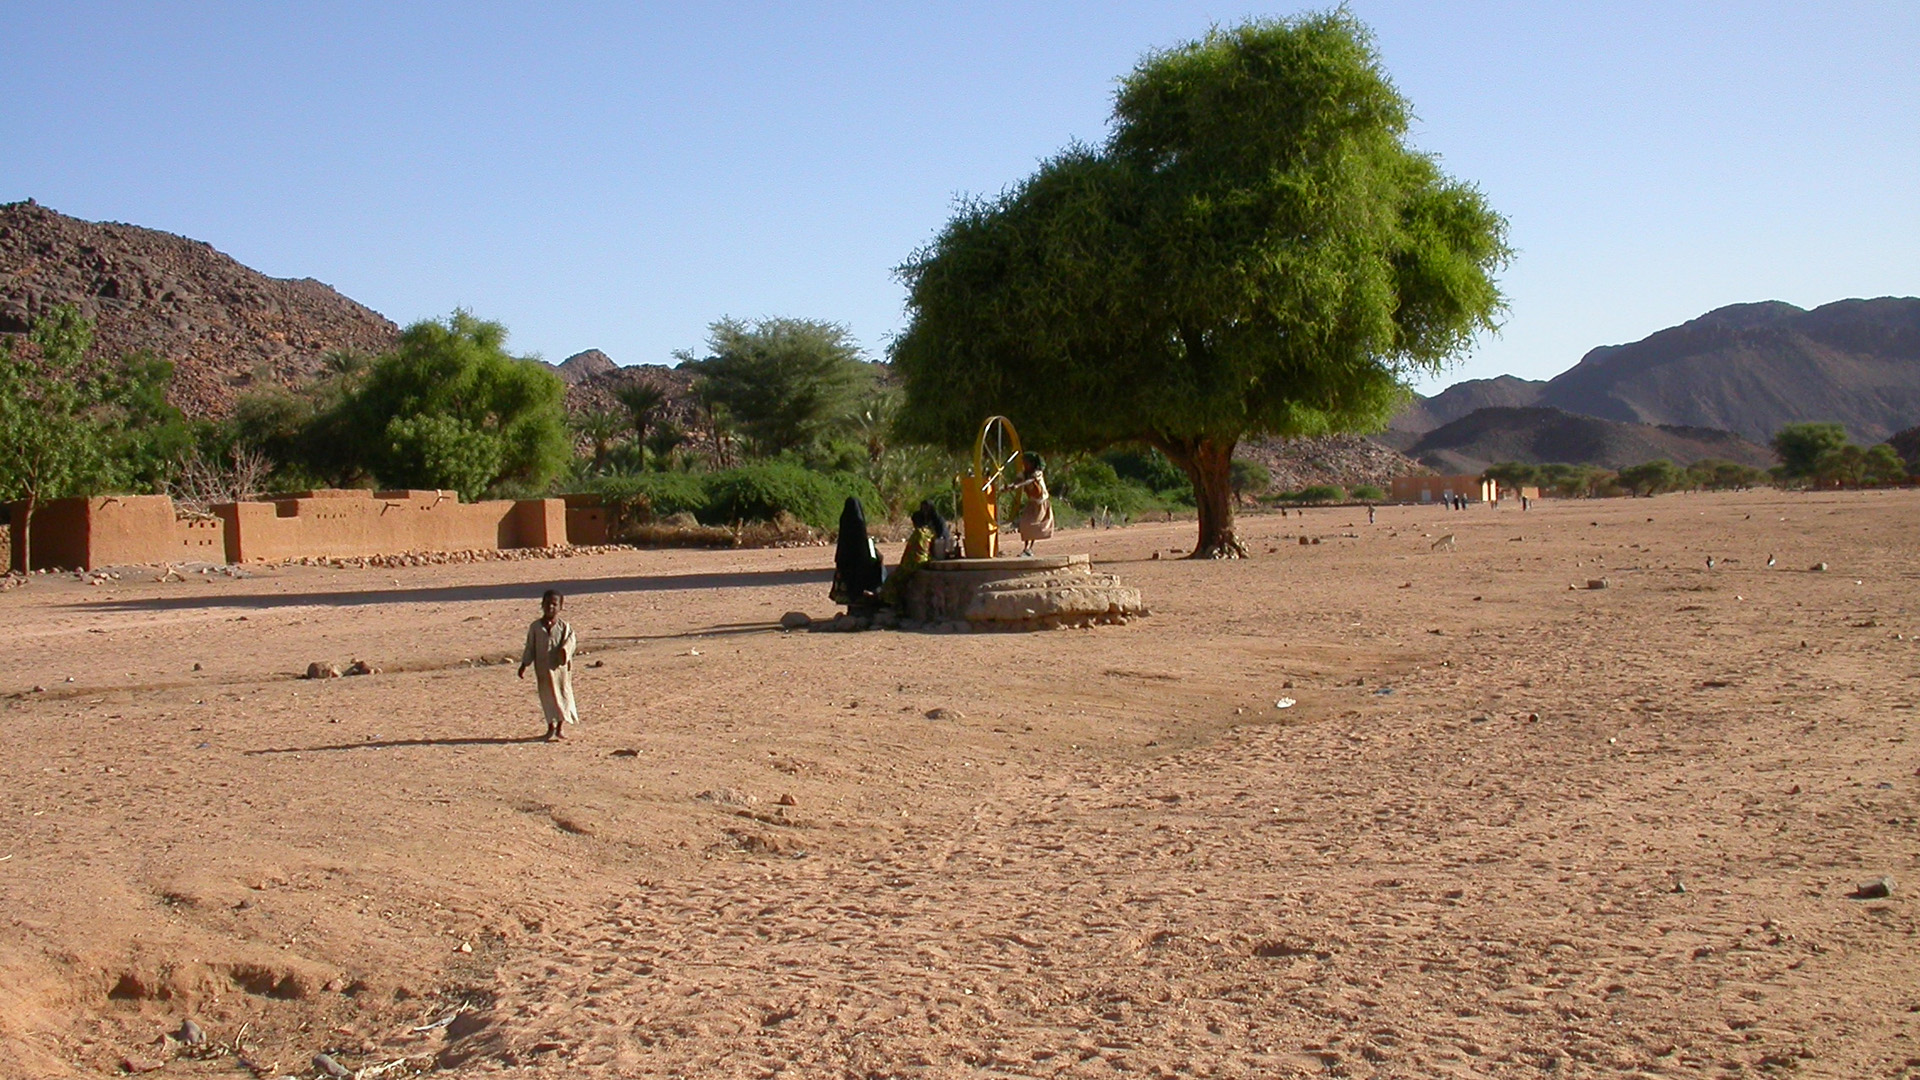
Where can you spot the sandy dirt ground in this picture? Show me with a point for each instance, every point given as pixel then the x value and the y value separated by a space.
pixel 1506 828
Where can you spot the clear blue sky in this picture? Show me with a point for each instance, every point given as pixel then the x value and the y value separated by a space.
pixel 619 175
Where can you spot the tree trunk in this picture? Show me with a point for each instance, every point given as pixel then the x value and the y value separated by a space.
pixel 1209 466
pixel 23 533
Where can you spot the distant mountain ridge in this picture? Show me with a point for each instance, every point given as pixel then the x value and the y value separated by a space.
pixel 1746 368
pixel 222 324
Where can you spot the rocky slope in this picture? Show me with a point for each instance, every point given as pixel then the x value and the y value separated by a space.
pixel 1752 368
pixel 582 366
pixel 1745 368
pixel 223 325
pixel 1345 460
pixel 1458 400
pixel 1541 435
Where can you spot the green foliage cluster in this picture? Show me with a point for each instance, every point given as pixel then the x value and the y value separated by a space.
pixel 1126 482
pixel 756 491
pixel 1821 455
pixel 73 424
pixel 1256 249
pixel 1315 493
pixel 1367 493
pixel 1645 479
pixel 786 383
pixel 448 408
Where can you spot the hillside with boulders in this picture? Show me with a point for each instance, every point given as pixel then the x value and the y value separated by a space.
pixel 224 326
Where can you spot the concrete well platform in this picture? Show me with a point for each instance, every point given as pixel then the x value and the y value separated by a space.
pixel 1037 593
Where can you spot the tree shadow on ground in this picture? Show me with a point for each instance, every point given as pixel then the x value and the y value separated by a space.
pixel 460 594
pixel 388 744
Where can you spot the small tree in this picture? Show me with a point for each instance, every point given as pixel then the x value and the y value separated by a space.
pixel 1652 477
pixel 1256 249
pixel 52 440
pixel 1513 474
pixel 1250 477
pixel 600 427
pixel 450 408
pixel 786 382
pixel 1801 446
pixel 1884 466
pixel 643 402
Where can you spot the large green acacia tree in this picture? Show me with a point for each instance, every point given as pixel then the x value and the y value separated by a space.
pixel 1255 250
pixel 450 407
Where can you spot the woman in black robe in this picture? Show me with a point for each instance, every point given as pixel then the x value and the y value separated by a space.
pixel 856 562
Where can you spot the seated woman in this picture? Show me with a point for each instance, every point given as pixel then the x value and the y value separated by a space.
pixel 918 551
pixel 946 542
pixel 857 569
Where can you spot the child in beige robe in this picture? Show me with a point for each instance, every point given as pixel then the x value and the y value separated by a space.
pixel 550 648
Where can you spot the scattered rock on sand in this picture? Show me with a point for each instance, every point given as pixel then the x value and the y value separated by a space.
pixel 727 796
pixel 795 620
pixel 361 667
pixel 190 1033
pixel 1599 583
pixel 319 670
pixel 944 713
pixel 1877 889
pixel 787 800
pixel 1818 568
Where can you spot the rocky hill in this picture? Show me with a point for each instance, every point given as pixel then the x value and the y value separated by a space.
pixel 582 366
pixel 223 325
pixel 1746 368
pixel 1752 368
pixel 1456 401
pixel 1345 460
pixel 1540 435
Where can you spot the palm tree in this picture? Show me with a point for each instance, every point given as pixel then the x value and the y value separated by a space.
pixel 642 401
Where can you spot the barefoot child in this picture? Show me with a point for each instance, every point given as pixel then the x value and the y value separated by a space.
pixel 550 646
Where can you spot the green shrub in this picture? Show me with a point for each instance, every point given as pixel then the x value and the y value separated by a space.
pixel 760 491
pixel 1150 468
pixel 1249 477
pixel 1088 486
pixel 1367 493
pixel 1318 493
pixel 649 496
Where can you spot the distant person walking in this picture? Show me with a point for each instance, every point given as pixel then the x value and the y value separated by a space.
pixel 550 648
pixel 1036 509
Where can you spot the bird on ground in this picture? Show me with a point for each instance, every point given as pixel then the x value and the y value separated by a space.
pixel 1709 562
pixel 1769 559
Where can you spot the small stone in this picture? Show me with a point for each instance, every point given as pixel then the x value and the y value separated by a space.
pixel 196 665
pixel 1818 568
pixel 326 1064
pixel 319 670
pixel 190 1033
pixel 361 667
pixel 786 800
pixel 944 713
pixel 795 620
pixel 1599 583
pixel 1877 889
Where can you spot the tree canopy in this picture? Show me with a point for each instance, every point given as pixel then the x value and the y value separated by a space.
pixel 1255 250
pixel 785 382
pixel 1800 447
pixel 451 408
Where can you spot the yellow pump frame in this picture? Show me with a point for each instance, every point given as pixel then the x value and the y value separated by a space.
pixel 980 488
